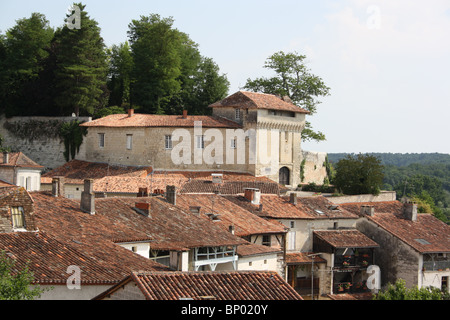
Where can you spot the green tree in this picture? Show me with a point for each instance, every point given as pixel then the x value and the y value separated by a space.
pixel 399 291
pixel 23 51
pixel 119 77
pixel 80 77
pixel 293 79
pixel 157 63
pixel 72 135
pixel 15 282
pixel 169 72
pixel 361 174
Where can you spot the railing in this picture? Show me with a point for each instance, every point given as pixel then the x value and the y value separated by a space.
pixel 436 265
pixel 362 261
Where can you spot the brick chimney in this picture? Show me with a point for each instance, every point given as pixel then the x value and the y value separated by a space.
pixel 171 194
pixel 410 211
pixel 130 113
pixel 143 208
pixel 253 195
pixel 58 187
pixel 185 114
pixel 87 203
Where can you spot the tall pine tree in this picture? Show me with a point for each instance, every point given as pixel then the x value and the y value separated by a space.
pixel 81 67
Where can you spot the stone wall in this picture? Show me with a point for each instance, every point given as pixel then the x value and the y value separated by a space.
pixel 44 150
pixel 313 167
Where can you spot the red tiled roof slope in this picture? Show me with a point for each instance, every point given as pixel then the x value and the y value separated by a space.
pixel 18 159
pixel 238 285
pixel 153 120
pixel 346 238
pixel 389 215
pixel 254 100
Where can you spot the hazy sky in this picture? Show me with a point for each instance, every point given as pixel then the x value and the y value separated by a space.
pixel 387 62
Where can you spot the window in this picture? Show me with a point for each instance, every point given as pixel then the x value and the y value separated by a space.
pixel 200 142
pixel 292 224
pixel 129 141
pixel 266 240
pixel 233 144
pixel 237 114
pixel 101 140
pixel 168 142
pixel 18 218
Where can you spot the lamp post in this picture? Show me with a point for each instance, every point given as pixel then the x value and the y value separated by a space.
pixel 312 256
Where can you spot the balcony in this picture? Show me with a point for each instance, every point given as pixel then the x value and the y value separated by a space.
pixel 439 265
pixel 353 261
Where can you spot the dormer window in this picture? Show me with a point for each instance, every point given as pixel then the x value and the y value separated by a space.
pixel 18 217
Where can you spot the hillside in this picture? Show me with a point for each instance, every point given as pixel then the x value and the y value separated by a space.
pixel 422 176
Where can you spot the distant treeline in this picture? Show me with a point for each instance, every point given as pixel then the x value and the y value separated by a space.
pixel 424 177
pixel 400 159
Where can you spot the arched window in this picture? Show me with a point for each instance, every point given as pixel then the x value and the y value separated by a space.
pixel 284 176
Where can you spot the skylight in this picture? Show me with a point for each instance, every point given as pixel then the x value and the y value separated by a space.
pixel 422 241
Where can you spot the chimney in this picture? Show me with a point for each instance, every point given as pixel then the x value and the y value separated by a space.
pixel 410 211
pixel 293 198
pixel 6 157
pixel 171 195
pixel 87 203
pixel 253 195
pixel 143 208
pixel 58 186
pixel 185 114
pixel 367 210
pixel 130 113
pixel 143 192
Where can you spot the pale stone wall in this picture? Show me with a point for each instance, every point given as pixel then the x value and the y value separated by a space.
pixel 314 169
pixel 62 292
pixel 383 196
pixel 128 292
pixel 47 152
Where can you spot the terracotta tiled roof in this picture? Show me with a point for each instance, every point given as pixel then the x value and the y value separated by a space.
pixel 279 207
pixel 252 249
pixel 116 220
pixel 230 214
pixel 295 258
pixel 18 159
pixel 75 171
pixel 253 100
pixel 153 120
pixel 426 235
pixel 237 285
pixel 49 259
pixel 231 187
pixel 346 239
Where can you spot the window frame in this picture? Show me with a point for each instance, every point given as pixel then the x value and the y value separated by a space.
pixel 101 140
pixel 129 143
pixel 168 144
pixel 17 213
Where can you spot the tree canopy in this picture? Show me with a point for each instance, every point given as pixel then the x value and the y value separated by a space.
pixel 293 79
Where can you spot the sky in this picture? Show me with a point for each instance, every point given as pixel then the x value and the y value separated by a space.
pixel 387 62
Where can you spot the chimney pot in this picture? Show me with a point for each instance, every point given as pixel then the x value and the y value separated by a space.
pixel 58 186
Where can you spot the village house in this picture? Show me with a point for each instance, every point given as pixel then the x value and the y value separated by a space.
pixel 16 168
pixel 412 246
pixel 260 134
pixel 314 269
pixel 241 285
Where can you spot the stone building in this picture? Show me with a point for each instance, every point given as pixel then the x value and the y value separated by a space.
pixel 253 133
